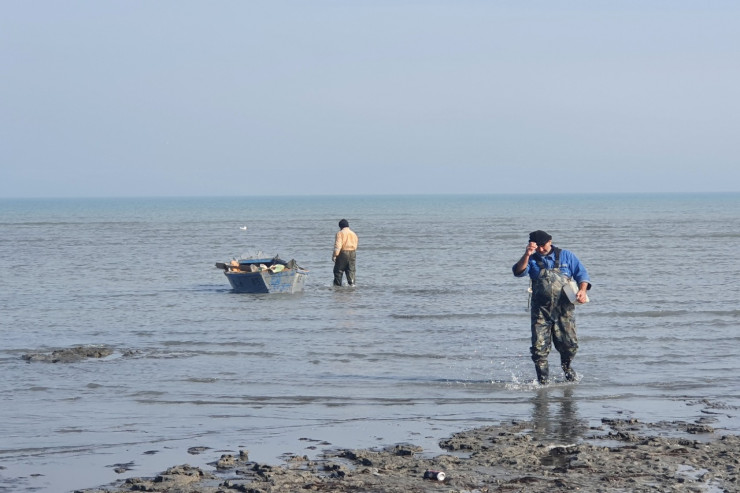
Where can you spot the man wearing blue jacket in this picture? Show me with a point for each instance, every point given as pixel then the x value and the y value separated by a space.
pixel 553 314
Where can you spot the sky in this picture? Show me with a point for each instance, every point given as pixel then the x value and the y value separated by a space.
pixel 122 98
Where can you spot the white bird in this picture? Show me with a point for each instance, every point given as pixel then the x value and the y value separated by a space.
pixel 243 228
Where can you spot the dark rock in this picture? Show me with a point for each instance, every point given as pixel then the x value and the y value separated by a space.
pixel 69 355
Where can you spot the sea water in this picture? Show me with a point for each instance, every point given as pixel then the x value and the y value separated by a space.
pixel 433 339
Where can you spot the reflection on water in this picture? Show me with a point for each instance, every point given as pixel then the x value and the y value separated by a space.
pixel 555 415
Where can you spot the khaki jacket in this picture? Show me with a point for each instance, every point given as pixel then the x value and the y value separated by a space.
pixel 346 239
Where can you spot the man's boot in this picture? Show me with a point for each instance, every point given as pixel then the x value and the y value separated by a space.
pixel 543 371
pixel 570 373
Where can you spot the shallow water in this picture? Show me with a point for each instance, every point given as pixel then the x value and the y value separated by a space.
pixel 434 338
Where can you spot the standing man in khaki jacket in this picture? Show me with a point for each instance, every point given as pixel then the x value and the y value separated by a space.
pixel 345 251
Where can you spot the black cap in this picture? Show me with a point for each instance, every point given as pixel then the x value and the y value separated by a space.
pixel 343 223
pixel 539 237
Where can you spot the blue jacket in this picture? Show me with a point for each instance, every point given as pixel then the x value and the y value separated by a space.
pixel 569 265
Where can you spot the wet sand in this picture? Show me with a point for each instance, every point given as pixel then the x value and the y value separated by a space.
pixel 620 455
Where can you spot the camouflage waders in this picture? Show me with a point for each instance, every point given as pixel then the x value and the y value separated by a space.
pixel 553 321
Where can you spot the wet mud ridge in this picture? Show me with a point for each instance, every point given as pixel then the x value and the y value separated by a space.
pixel 69 355
pixel 618 456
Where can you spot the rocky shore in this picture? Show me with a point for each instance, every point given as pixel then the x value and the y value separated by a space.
pixel 617 456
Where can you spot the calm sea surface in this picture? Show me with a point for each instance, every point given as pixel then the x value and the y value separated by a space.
pixel 433 340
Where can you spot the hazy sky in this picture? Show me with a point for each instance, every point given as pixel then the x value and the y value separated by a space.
pixel 149 98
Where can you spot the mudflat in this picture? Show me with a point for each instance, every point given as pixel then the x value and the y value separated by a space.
pixel 620 455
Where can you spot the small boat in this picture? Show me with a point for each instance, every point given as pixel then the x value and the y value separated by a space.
pixel 264 275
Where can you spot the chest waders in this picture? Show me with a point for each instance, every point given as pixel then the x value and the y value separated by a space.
pixel 553 320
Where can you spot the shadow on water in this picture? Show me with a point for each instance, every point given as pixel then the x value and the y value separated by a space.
pixel 215 288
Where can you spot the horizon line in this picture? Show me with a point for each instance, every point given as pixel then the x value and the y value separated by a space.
pixel 360 195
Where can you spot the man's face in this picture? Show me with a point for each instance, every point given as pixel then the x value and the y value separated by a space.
pixel 544 249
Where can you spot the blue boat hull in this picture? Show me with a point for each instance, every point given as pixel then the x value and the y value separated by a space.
pixel 264 275
pixel 288 281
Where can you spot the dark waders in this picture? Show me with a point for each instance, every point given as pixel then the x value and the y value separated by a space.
pixel 345 264
pixel 553 321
